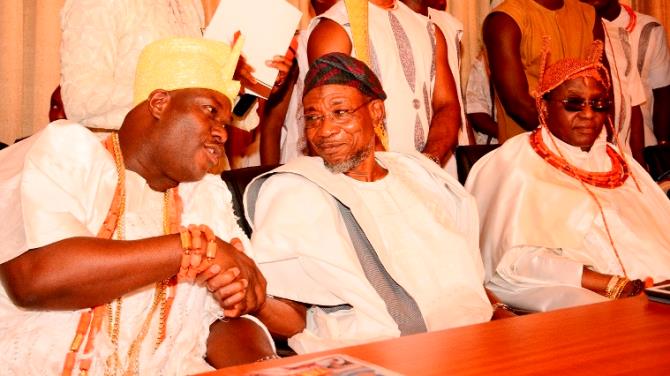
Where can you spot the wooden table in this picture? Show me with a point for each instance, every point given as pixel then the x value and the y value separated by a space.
pixel 628 336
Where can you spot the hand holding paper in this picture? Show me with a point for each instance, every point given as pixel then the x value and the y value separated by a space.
pixel 268 28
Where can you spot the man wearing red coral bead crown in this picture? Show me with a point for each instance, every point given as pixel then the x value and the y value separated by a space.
pixel 566 217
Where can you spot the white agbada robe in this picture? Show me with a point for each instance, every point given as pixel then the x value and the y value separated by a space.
pixel 539 226
pixel 59 184
pixel 420 221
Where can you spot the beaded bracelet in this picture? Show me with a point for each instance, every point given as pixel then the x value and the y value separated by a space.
pixel 268 357
pixel 501 305
pixel 610 286
pixel 618 288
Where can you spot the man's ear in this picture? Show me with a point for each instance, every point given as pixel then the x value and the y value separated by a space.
pixel 377 111
pixel 544 109
pixel 158 101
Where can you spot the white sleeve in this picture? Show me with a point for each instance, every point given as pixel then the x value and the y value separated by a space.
pixel 659 59
pixel 294 221
pixel 89 57
pixel 540 279
pixel 208 201
pixel 542 266
pixel 50 212
pixel 477 92
pixel 67 185
pixel 12 231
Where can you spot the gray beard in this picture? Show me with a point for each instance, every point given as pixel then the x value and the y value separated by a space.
pixel 349 164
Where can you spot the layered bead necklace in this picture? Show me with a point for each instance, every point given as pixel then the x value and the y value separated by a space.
pixel 161 299
pixel 164 291
pixel 614 178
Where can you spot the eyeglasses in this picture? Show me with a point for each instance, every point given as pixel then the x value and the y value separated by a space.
pixel 576 104
pixel 339 116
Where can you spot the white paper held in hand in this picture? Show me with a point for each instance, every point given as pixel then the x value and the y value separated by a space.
pixel 267 25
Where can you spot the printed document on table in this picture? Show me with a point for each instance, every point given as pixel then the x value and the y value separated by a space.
pixel 267 26
pixel 330 365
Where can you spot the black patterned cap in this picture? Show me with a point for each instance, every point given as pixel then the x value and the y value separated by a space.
pixel 337 68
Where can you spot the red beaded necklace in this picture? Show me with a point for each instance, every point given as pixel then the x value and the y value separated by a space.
pixel 614 178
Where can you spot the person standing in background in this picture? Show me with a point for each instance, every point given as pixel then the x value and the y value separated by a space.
pixel 479 100
pixel 452 28
pixel 101 43
pixel 645 52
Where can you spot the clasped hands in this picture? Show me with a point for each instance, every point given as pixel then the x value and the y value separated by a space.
pixel 227 272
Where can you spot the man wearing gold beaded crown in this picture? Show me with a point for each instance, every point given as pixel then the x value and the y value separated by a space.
pixel 566 218
pixel 108 249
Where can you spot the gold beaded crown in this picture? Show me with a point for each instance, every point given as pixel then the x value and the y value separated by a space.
pixel 180 63
pixel 567 69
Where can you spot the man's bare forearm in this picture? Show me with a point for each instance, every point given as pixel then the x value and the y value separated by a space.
pixel 443 133
pixel 283 318
pixel 83 272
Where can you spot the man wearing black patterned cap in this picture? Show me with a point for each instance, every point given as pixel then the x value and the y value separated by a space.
pixel 362 245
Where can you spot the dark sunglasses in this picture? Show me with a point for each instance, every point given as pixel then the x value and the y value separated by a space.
pixel 576 104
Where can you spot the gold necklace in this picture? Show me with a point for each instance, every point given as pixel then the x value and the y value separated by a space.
pixel 113 363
